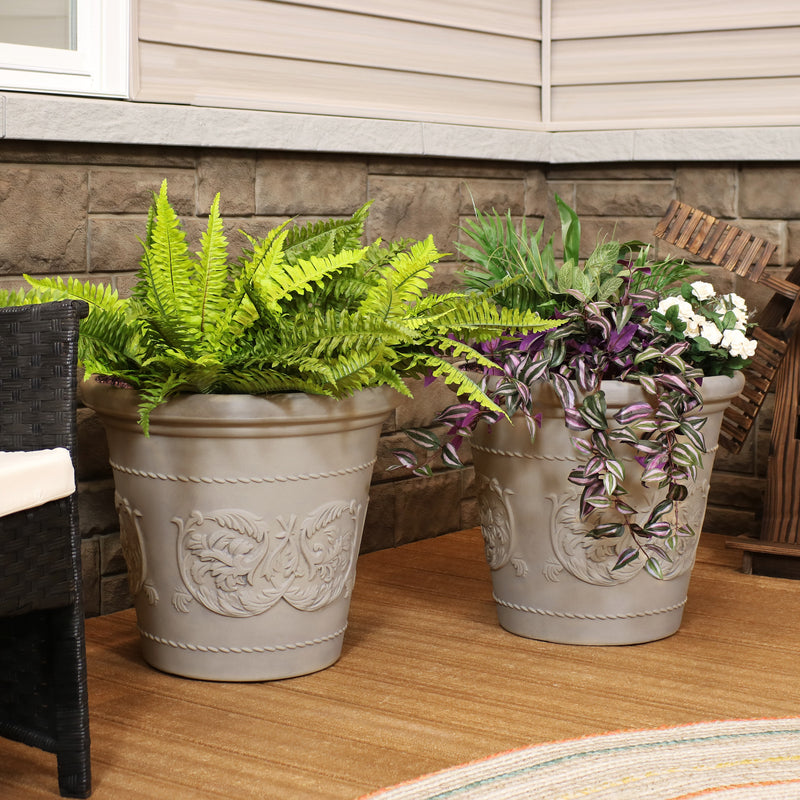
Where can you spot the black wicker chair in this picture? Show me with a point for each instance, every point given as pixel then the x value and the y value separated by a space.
pixel 43 694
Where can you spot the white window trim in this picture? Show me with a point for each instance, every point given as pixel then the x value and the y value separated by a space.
pixel 99 67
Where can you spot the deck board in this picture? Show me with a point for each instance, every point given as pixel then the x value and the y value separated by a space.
pixel 427 680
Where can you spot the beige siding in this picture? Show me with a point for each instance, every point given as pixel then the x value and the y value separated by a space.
pixel 580 19
pixel 330 58
pixel 629 63
pixel 615 64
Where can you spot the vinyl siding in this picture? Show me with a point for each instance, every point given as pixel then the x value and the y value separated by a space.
pixel 453 62
pixel 538 65
pixel 627 63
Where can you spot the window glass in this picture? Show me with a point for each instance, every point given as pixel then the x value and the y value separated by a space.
pixel 78 47
pixel 39 23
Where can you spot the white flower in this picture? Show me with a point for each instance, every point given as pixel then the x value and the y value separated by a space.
pixel 741 317
pixel 738 344
pixel 702 290
pixel 710 332
pixel 685 310
pixel 736 301
pixel 693 325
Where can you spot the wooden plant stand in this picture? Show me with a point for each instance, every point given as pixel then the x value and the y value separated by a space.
pixel 777 551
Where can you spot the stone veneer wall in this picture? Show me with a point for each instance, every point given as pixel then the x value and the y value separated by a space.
pixel 79 209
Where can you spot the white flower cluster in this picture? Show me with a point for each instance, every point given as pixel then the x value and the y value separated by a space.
pixel 731 339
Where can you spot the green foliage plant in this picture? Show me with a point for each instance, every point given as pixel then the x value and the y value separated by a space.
pixel 625 317
pixel 306 309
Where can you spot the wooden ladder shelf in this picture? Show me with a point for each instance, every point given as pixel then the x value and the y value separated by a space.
pixel 777 551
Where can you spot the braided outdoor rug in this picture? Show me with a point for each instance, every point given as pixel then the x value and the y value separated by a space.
pixel 732 760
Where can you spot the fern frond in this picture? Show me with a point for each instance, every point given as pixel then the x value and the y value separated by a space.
pixel 324 238
pixel 99 296
pixel 403 281
pixel 164 281
pixel 265 381
pixel 281 280
pixel 325 334
pixel 481 320
pixel 466 388
pixel 212 272
pixel 17 297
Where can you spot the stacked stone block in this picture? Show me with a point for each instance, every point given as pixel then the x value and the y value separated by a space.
pixel 78 210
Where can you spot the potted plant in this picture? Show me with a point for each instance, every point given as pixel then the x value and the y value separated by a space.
pixel 591 502
pixel 243 404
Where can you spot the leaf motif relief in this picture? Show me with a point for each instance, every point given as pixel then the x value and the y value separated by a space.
pixel 520 567
pixel 235 565
pixel 150 592
pixel 181 600
pixel 552 570
pixel 327 550
pixel 130 538
pixel 496 520
pixel 588 560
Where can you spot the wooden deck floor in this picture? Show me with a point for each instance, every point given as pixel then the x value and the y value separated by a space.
pixel 427 680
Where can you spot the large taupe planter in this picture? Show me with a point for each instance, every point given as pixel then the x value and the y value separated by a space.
pixel 241 519
pixel 550 581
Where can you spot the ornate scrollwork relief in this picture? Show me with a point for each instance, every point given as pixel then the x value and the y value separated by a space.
pixel 235 565
pixel 593 560
pixel 130 538
pixel 497 524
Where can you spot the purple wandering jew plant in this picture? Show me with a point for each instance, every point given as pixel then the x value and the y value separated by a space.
pixel 624 317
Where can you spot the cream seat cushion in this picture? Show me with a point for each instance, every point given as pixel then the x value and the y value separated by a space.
pixel 29 479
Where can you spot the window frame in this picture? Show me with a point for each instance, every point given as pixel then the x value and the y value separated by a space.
pixel 99 67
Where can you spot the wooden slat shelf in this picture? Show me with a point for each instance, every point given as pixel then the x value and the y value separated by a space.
pixel 777 360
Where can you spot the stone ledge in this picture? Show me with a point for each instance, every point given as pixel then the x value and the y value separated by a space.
pixel 77 119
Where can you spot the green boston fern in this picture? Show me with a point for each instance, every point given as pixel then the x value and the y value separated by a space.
pixel 306 308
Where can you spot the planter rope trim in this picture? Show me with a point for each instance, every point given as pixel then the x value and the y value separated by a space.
pixel 161 476
pixel 539 457
pixel 201 648
pixel 517 454
pixel 567 615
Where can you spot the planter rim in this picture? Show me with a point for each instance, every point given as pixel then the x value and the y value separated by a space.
pixel 713 388
pixel 243 409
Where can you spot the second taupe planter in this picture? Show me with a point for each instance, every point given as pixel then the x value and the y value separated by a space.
pixel 550 581
pixel 241 519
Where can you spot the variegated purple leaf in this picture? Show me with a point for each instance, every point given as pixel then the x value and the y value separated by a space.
pixel 423 437
pixel 648 447
pixel 406 458
pixel 594 465
pixel 647 383
pixel 623 436
pixel 627 556
pixel 677 382
pixel 578 477
pixel 607 530
pixel 676 348
pixel 677 492
pixel 583 375
pixel 660 509
pixel 696 439
pixel 583 447
pixel 658 529
pixel 450 456
pixel 633 413
pixel 563 388
pixel 573 420
pixel 654 568
pixel 609 483
pixel 616 469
